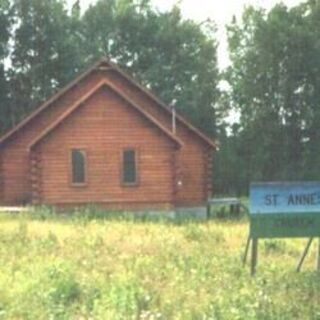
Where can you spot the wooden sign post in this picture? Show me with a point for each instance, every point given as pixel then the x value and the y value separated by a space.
pixel 283 209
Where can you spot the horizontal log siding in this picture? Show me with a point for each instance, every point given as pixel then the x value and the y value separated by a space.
pixel 192 162
pixel 103 127
pixel 16 175
pixel 35 176
pixel 210 173
pixel 192 158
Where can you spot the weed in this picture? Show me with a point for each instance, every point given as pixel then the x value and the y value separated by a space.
pixel 193 232
pixel 274 246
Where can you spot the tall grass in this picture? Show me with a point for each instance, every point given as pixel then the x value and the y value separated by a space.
pixel 85 266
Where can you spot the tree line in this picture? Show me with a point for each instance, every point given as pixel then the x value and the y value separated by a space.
pixel 273 80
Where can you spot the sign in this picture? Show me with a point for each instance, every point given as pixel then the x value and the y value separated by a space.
pixel 285 209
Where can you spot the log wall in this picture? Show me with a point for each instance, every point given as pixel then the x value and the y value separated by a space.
pixel 103 127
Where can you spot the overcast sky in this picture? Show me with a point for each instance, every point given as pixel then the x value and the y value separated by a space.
pixel 221 11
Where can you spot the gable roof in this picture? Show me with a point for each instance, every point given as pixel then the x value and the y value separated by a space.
pixel 109 66
pixel 77 104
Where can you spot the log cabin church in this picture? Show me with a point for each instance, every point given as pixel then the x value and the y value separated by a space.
pixel 107 140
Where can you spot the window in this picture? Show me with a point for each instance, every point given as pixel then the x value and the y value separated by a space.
pixel 129 167
pixel 78 162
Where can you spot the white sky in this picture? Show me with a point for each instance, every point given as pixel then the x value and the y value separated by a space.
pixel 221 11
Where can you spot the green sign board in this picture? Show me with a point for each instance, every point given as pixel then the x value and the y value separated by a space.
pixel 285 209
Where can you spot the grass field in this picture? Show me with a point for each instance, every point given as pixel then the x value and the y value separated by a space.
pixel 85 268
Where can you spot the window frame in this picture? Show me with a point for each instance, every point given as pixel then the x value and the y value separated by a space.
pixel 71 182
pixel 136 167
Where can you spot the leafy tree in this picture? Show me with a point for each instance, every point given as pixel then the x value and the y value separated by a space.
pixel 275 86
pixel 174 57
